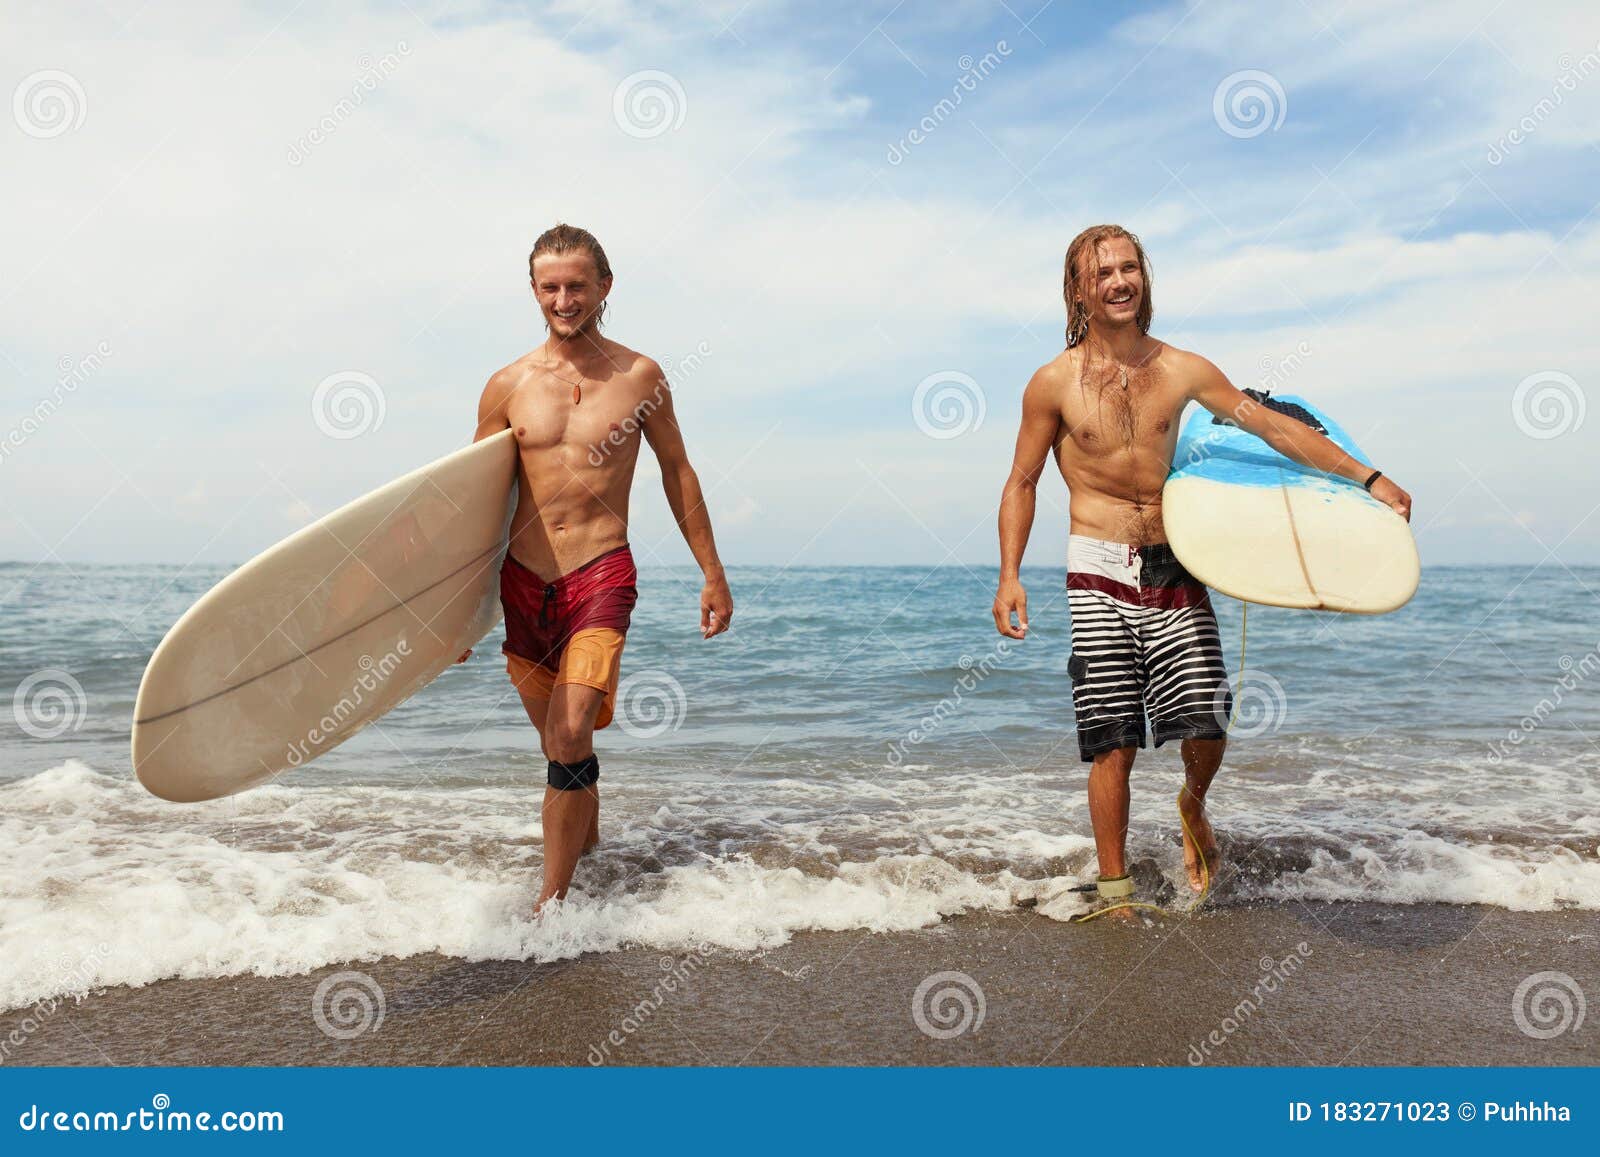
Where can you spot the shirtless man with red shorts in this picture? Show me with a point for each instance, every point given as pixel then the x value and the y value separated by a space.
pixel 579 404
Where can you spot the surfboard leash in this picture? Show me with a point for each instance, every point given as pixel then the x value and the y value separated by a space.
pixel 1124 881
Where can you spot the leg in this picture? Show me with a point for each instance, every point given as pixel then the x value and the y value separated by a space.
pixel 1189 699
pixel 571 817
pixel 1106 700
pixel 592 662
pixel 538 711
pixel 1108 808
pixel 1201 759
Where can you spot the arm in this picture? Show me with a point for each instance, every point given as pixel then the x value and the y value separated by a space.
pixel 688 503
pixel 493 404
pixel 1294 440
pixel 1041 419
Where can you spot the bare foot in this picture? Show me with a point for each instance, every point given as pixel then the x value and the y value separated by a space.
pixel 546 899
pixel 1121 912
pixel 1201 874
pixel 1124 916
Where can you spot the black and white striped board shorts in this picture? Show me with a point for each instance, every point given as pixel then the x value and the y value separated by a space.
pixel 1144 641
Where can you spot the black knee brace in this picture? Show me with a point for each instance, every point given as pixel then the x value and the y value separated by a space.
pixel 571 776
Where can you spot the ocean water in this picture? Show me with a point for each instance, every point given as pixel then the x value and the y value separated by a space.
pixel 863 751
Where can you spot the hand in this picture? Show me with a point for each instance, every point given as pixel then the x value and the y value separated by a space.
pixel 465 655
pixel 716 605
pixel 1392 496
pixel 1011 598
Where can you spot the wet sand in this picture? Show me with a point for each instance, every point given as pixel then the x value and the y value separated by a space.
pixel 1319 984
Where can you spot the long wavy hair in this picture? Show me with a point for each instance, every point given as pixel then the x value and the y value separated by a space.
pixel 1078 278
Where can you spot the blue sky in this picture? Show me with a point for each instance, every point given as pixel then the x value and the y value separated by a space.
pixel 211 209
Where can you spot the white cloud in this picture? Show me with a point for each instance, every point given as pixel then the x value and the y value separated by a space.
pixel 229 281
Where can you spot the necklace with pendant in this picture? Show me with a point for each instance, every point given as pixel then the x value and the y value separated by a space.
pixel 577 387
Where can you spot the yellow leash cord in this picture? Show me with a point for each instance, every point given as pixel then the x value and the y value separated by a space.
pixel 1205 865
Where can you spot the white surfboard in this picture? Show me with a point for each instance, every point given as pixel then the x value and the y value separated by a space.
pixel 310 641
pixel 1247 521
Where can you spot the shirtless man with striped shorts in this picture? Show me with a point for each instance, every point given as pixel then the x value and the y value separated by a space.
pixel 1144 636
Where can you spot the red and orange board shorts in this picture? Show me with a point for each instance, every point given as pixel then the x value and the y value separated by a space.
pixel 571 629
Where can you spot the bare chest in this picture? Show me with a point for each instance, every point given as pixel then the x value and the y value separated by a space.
pixel 1108 418
pixel 545 417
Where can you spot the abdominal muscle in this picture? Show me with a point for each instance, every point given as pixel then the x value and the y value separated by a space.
pixel 1116 513
pixel 1115 520
pixel 580 519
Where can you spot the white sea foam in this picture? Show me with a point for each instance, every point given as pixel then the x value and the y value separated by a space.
pixel 101 884
pixel 106 885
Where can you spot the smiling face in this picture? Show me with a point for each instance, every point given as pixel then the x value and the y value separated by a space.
pixel 570 291
pixel 1107 282
pixel 1118 285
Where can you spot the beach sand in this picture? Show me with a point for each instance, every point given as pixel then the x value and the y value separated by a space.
pixel 1295 984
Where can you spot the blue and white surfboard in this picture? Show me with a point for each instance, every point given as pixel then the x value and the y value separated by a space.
pixel 1250 523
